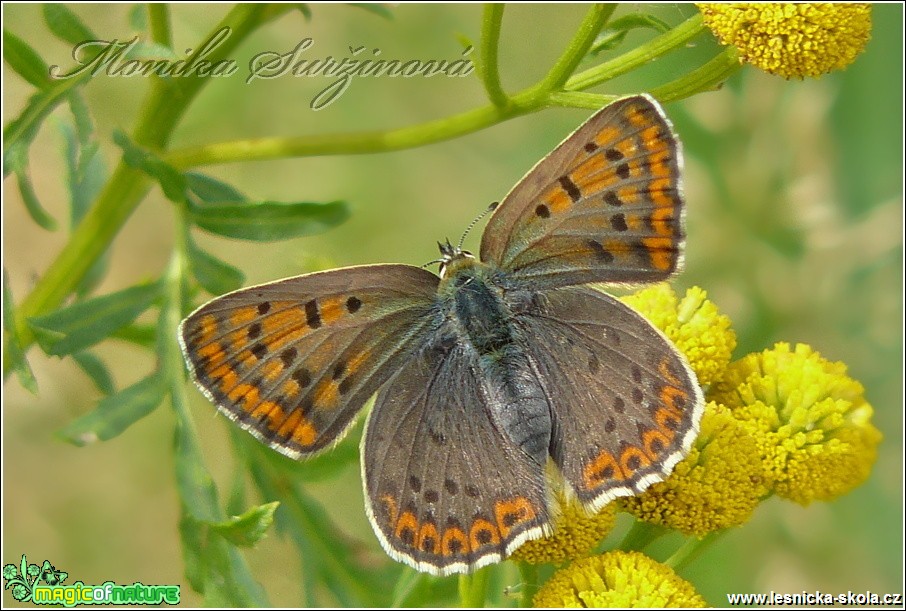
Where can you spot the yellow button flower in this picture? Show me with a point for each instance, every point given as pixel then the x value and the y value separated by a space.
pixel 576 533
pixel 693 324
pixel 791 40
pixel 716 486
pixel 810 420
pixel 617 579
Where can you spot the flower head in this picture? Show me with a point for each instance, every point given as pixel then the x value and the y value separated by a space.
pixel 34 570
pixel 810 421
pixel 10 571
pixel 20 592
pixel 716 486
pixel 617 579
pixel 693 324
pixel 792 40
pixel 576 533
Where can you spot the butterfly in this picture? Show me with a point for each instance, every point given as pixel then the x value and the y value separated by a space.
pixel 490 371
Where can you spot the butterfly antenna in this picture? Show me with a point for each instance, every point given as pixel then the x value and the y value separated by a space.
pixel 490 208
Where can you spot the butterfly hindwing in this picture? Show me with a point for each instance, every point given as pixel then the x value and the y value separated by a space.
pixel 446 490
pixel 293 361
pixel 625 404
pixel 604 206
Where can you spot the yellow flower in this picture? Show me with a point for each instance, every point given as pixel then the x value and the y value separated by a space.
pixel 576 533
pixel 693 324
pixel 716 486
pixel 617 579
pixel 792 40
pixel 810 420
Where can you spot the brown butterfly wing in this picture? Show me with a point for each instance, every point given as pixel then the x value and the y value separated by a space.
pixel 604 206
pixel 294 361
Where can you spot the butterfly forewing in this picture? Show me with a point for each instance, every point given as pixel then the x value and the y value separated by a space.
pixel 626 406
pixel 604 206
pixel 293 361
pixel 446 491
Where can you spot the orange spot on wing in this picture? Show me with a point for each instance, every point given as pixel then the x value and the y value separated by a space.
pixel 207 329
pixel 289 424
pixel 630 453
pixel 406 522
pixel 243 316
pixel 428 538
pixel 210 350
pixel 326 395
pixel 599 183
pixel 649 439
pixel 226 376
pixel 482 533
pixel 661 251
pixel 660 190
pixel 304 434
pixel 290 388
pixel 628 195
pixel 510 513
pixel 454 542
pixel 668 420
pixel 602 468
pixel 332 309
pixel 264 410
pixel 287 337
pixel 557 200
pixel 660 221
pixel 636 117
pixel 272 370
pixel 607 135
pixel 354 363
pixel 389 506
pixel 587 169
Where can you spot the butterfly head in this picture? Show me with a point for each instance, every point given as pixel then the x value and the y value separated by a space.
pixel 453 259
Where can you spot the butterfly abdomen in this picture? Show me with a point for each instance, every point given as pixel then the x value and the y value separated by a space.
pixel 483 321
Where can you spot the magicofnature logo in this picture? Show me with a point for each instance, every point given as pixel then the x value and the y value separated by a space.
pixel 43 585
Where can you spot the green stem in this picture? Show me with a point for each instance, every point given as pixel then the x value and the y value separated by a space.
pixel 643 54
pixel 159 21
pixel 125 189
pixel 580 99
pixel 343 143
pixel 707 78
pixel 692 549
pixel 473 588
pixel 490 40
pixel 529 574
pixel 578 48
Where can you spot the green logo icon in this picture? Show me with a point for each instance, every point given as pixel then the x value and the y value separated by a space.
pixel 22 579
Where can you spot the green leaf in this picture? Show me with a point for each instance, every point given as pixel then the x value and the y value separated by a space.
pixel 247 529
pixel 65 24
pixel 171 180
pixel 85 323
pixel 15 356
pixel 82 116
pixel 25 61
pixel 615 32
pixel 377 9
pixel 138 17
pixel 95 369
pixel 212 191
pixel 213 566
pixel 268 221
pixel 304 9
pixel 35 210
pixel 410 589
pixel 117 412
pixel 216 276
pixel 150 51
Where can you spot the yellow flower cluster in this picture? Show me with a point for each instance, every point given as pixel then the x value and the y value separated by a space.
pixel 576 533
pixel 617 579
pixel 792 40
pixel 694 325
pixel 810 419
pixel 718 485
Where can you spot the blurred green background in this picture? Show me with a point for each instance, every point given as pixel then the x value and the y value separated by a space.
pixel 795 224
